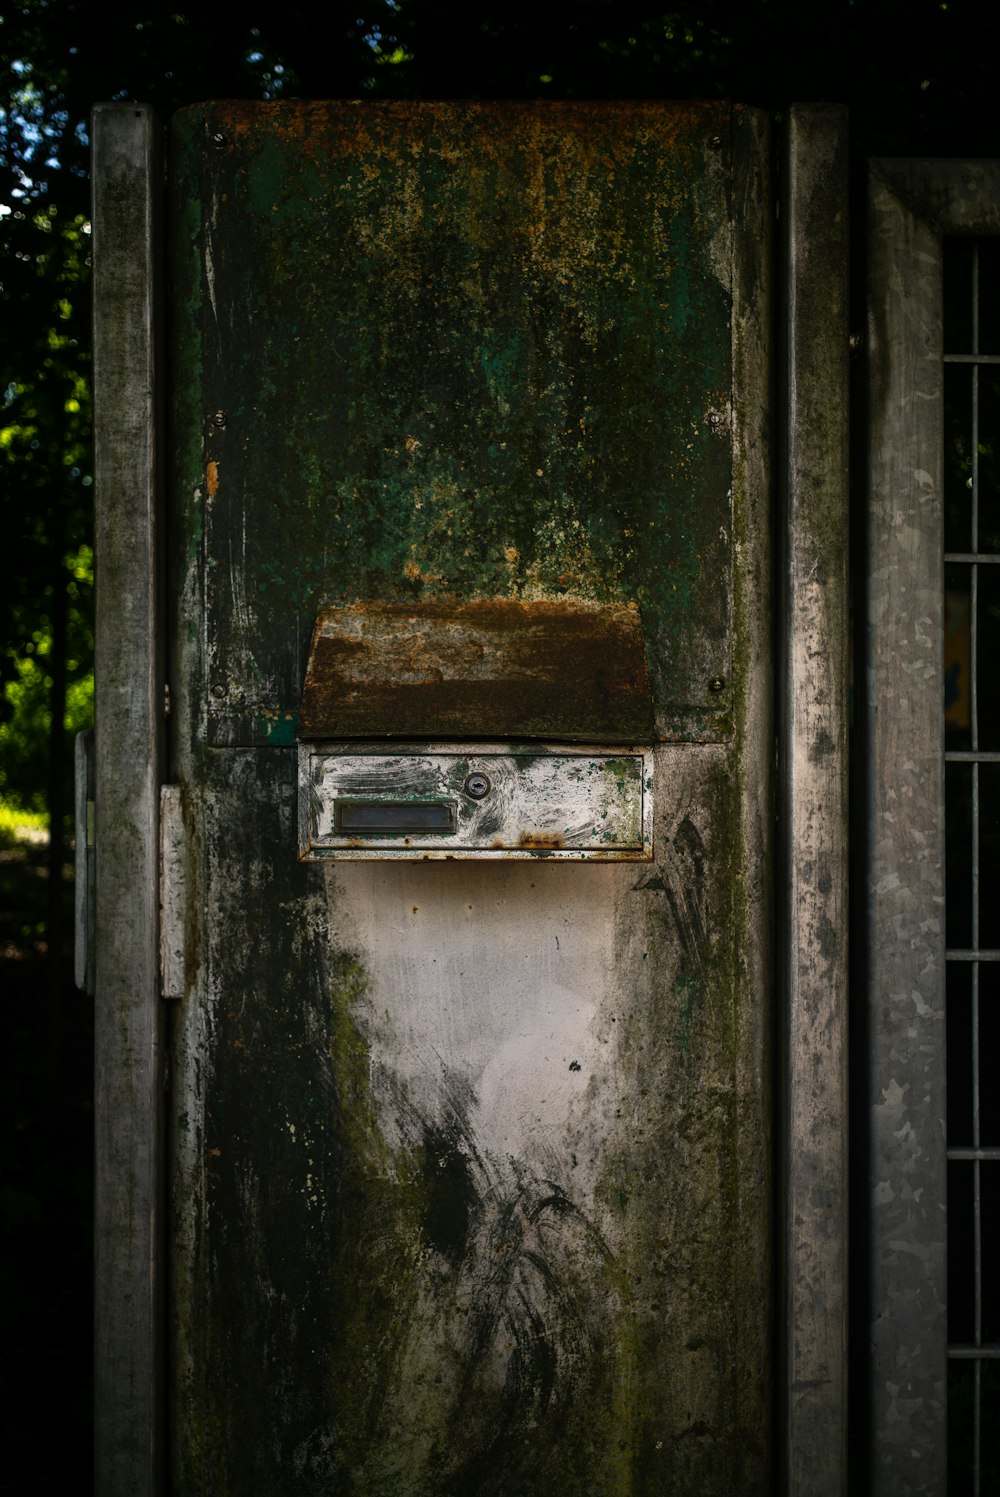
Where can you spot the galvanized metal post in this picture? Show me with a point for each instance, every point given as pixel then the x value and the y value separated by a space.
pixel 813 1193
pixel 906 817
pixel 129 696
pixel 912 206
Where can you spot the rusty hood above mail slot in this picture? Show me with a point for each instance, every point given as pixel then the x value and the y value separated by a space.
pixel 503 668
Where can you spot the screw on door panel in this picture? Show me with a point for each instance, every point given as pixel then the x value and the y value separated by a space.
pixel 477 786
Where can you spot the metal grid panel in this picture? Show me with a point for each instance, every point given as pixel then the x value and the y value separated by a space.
pixel 971 1150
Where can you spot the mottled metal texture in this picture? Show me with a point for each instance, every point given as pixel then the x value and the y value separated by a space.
pixel 128 707
pixel 911 205
pixel 501 369
pixel 493 668
pixel 533 801
pixel 471 1186
pixel 749 874
pixel 174 899
pixel 815 641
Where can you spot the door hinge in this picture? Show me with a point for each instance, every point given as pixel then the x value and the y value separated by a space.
pixel 173 894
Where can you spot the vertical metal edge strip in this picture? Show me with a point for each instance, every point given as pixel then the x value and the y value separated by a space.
pixel 752 760
pixel 814 809
pixel 905 815
pixel 128 700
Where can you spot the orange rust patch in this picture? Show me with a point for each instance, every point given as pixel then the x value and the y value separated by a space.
pixel 212 479
pixel 484 668
pixel 539 839
pixel 596 130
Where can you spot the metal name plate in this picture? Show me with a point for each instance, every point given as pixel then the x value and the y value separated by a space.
pixel 365 801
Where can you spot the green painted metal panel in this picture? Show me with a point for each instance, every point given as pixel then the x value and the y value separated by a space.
pixel 462 352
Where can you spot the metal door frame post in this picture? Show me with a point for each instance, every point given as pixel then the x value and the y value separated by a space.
pixel 913 205
pixel 814 645
pixel 129 713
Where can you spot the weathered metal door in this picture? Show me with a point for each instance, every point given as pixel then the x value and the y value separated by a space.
pixel 467 1158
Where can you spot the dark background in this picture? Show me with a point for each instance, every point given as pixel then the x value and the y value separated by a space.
pixel 919 78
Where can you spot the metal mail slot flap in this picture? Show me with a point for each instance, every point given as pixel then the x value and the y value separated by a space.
pixel 455 801
pixel 393 818
pixel 486 668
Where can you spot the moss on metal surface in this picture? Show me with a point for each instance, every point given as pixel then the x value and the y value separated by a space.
pixel 476 351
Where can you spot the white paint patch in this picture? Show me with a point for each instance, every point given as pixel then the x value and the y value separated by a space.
pixel 489 981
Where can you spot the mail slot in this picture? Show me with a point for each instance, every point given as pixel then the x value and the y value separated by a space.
pixel 393 818
pixel 445 801
pixel 529 676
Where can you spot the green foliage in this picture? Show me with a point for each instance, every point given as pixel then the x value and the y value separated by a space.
pixel 27 706
pixel 21 826
pixel 46 570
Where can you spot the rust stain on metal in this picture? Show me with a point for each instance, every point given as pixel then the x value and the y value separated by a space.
pixel 535 299
pixel 212 479
pixel 402 132
pixel 540 839
pixel 493 668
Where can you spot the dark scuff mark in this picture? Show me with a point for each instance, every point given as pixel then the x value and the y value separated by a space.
pixel 489 825
pixel 684 885
pixel 534 1305
pixel 474 1377
pixel 449 1189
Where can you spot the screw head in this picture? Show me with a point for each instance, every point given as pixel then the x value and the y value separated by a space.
pixel 717 684
pixel 477 786
pixel 219 419
pixel 218 691
pixel 218 139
